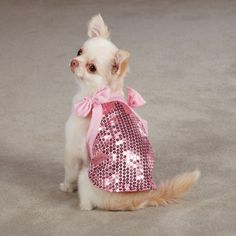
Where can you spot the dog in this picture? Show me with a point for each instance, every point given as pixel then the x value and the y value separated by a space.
pixel 100 64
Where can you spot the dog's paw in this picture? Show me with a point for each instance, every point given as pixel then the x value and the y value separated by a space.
pixel 86 207
pixel 67 188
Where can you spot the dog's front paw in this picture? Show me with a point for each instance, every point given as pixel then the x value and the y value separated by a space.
pixel 69 188
pixel 86 207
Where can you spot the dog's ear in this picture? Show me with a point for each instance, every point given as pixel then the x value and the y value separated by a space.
pixel 97 27
pixel 120 63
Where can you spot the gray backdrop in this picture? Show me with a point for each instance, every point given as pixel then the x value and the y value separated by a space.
pixel 182 61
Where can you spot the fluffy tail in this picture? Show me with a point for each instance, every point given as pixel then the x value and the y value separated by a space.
pixel 168 192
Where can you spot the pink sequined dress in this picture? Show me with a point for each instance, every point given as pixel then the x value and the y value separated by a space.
pixel 121 157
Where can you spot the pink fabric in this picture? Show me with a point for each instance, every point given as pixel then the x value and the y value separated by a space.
pixel 121 154
pixel 134 98
pixel 84 107
pixel 121 157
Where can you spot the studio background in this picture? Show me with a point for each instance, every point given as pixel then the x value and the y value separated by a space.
pixel 183 63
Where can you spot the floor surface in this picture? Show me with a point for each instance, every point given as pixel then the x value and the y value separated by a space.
pixel 183 61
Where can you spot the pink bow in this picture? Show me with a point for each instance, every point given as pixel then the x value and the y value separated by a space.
pixel 84 107
pixel 134 98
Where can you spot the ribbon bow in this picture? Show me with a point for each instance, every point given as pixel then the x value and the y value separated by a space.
pixel 134 98
pixel 84 107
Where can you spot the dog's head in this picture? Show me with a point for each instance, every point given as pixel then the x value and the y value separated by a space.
pixel 99 62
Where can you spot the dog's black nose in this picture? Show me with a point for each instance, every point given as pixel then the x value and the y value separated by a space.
pixel 74 64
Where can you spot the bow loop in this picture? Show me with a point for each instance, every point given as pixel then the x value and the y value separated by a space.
pixel 134 98
pixel 84 107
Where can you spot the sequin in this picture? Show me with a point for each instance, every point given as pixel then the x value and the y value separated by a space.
pixel 122 155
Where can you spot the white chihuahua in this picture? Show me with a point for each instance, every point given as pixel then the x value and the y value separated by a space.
pixel 99 63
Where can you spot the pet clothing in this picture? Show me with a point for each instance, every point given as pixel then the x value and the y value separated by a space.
pixel 121 157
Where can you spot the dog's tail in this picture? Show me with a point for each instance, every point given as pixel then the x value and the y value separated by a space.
pixel 168 192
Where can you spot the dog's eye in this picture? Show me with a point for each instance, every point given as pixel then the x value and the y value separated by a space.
pixel 92 68
pixel 79 52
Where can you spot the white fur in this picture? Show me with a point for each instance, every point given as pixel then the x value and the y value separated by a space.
pixel 103 53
